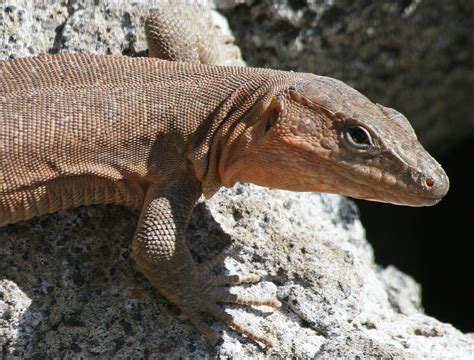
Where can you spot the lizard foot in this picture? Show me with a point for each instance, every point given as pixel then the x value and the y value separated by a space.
pixel 205 297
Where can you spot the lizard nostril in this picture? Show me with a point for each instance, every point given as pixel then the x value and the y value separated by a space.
pixel 429 182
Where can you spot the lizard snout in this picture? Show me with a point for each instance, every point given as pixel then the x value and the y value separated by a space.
pixel 433 182
pixel 437 185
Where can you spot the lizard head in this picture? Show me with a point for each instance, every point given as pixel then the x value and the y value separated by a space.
pixel 322 135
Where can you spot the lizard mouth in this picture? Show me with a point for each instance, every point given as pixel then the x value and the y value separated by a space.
pixel 414 201
pixel 424 188
pixel 426 191
pixel 402 194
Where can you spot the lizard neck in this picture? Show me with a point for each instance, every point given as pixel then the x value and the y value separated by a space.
pixel 229 120
pixel 239 127
pixel 230 140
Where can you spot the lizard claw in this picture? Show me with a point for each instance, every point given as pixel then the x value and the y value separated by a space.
pixel 208 292
pixel 215 311
pixel 212 337
pixel 229 320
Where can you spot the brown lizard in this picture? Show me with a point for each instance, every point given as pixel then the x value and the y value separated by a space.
pixel 86 129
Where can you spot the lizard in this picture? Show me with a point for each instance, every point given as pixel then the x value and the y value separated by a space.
pixel 82 129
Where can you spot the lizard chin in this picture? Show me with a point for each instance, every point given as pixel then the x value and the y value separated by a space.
pixel 406 201
pixel 398 197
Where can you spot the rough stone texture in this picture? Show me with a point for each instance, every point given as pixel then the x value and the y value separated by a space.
pixel 416 56
pixel 69 288
pixel 30 28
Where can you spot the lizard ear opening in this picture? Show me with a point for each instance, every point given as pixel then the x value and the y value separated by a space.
pixel 268 119
pixel 272 119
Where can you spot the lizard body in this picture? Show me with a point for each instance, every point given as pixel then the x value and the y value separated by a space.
pixel 72 143
pixel 86 129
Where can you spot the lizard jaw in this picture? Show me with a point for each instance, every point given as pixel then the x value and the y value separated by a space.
pixel 417 194
pixel 404 201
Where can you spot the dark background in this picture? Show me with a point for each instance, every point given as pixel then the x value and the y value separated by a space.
pixel 414 56
pixel 435 244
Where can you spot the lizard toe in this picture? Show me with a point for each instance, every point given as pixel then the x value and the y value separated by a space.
pixel 215 311
pixel 203 299
pixel 212 337
pixel 236 279
pixel 207 306
pixel 225 297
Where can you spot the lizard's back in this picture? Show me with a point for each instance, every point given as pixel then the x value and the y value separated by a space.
pixel 83 129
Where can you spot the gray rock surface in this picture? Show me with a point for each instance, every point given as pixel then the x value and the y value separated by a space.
pixel 416 56
pixel 69 288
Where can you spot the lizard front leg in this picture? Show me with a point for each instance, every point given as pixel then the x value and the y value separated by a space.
pixel 162 255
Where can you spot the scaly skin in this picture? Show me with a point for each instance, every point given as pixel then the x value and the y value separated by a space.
pixel 85 129
pixel 187 33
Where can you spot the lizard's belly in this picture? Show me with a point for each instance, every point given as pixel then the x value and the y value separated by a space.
pixel 67 192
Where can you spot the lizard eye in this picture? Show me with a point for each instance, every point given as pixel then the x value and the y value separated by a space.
pixel 358 137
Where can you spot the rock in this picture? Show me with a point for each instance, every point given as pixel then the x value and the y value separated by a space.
pixel 70 288
pixel 33 28
pixel 415 56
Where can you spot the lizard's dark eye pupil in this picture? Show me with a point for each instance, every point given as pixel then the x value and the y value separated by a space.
pixel 358 137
